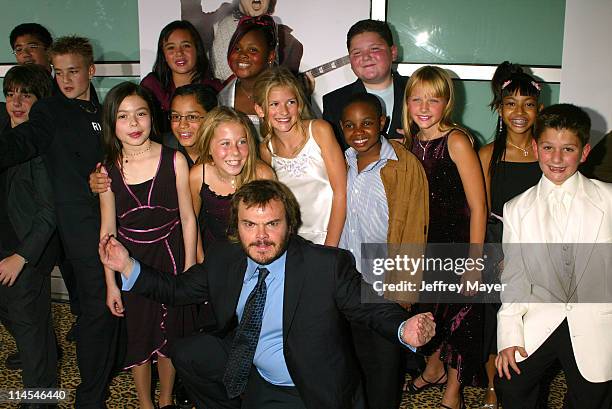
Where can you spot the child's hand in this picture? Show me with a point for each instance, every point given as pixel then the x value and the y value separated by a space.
pixel 506 359
pixel 113 301
pixel 99 182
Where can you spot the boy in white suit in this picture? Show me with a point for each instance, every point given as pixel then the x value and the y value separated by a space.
pixel 551 310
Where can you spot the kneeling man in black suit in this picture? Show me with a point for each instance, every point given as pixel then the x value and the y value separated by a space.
pixel 282 308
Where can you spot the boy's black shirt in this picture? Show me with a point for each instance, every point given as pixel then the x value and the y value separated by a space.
pixel 335 101
pixel 67 134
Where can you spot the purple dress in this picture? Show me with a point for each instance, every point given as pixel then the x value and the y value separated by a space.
pixel 149 226
pixel 459 329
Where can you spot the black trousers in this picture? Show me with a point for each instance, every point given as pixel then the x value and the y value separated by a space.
pixel 69 278
pixel 200 361
pixel 25 311
pixel 97 334
pixel 521 392
pixel 382 365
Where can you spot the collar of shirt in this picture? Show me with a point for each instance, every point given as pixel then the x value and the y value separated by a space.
pixel 276 268
pixel 570 186
pixel 386 153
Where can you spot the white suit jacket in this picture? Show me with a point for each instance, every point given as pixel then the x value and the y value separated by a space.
pixel 529 313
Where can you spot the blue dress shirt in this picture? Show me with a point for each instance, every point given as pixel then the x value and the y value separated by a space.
pixel 367 210
pixel 269 359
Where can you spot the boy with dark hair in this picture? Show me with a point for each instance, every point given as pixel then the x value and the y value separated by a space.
pixel 544 318
pixel 387 202
pixel 371 52
pixel 65 130
pixel 28 245
pixel 29 42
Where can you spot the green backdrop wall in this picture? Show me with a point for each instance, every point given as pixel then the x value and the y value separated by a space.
pixel 472 32
pixel 112 25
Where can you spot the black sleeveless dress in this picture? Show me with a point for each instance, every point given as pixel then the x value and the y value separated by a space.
pixel 214 215
pixel 509 179
pixel 458 326
pixel 149 226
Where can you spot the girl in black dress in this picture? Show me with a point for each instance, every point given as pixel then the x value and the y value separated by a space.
pixel 510 168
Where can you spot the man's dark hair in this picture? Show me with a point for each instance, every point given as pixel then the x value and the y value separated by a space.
pixel 370 26
pixel 564 116
pixel 260 193
pixel 205 95
pixel 365 98
pixel 34 29
pixel 30 79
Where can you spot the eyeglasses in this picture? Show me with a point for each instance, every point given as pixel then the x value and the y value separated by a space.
pixel 191 118
pixel 28 47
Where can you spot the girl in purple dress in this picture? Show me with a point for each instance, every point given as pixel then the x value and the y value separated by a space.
pixel 228 159
pixel 458 214
pixel 149 210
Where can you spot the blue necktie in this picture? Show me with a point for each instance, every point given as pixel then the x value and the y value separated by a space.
pixel 245 341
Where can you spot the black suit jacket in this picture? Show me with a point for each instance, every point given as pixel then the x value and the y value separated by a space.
pixel 30 209
pixel 322 295
pixel 335 101
pixel 66 133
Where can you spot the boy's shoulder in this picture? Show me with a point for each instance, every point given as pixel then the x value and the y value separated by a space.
pixel 403 154
pixel 344 91
pixel 522 200
pixel 603 189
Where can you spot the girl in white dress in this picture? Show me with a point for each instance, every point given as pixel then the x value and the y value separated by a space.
pixel 304 153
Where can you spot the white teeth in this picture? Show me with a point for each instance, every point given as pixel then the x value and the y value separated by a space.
pixel 360 141
pixel 243 65
pixel 233 162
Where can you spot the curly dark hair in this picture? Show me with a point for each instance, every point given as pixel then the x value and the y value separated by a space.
pixel 259 193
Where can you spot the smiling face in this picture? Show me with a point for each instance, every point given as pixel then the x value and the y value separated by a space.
pixel 361 127
pixel 73 75
pixel 18 106
pixel 254 8
pixel 229 148
pixel 180 52
pixel 283 110
pixel 251 55
pixel 519 113
pixel 559 153
pixel 133 121
pixel 263 231
pixel 30 50
pixel 424 109
pixel 185 130
pixel 371 58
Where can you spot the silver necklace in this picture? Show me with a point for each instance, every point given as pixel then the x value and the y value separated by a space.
pixel 423 147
